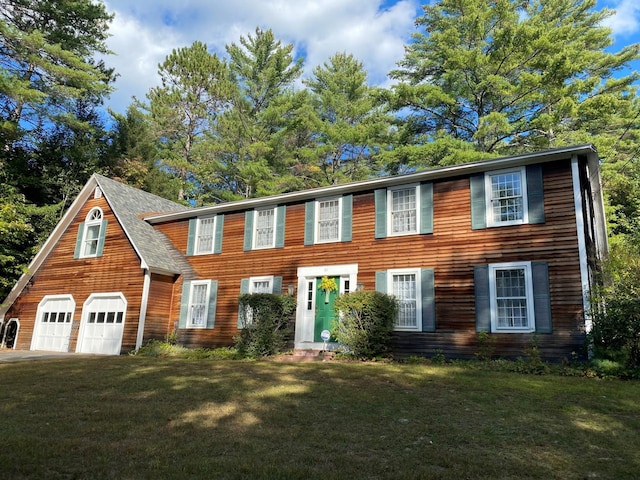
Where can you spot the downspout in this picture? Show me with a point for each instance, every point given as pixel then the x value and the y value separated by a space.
pixel 143 307
pixel 582 243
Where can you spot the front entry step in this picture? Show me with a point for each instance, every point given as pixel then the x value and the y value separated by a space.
pixel 300 355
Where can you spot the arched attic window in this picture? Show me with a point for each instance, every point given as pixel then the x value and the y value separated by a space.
pixel 91 235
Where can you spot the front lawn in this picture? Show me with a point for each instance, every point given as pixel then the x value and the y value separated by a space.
pixel 135 418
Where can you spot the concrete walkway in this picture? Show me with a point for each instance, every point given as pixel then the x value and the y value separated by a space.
pixel 8 355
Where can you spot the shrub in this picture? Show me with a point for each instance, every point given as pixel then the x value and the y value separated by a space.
pixel 486 346
pixel 266 320
pixel 365 323
pixel 616 310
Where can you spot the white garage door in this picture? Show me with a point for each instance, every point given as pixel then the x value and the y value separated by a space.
pixel 103 319
pixel 53 323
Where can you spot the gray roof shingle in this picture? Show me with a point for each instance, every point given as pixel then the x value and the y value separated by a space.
pixel 153 247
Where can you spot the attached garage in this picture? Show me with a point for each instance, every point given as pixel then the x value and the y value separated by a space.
pixel 53 323
pixel 103 318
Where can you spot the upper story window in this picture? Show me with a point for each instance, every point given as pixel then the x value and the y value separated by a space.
pixel 511 297
pixel 205 235
pixel 91 235
pixel 328 220
pixel 265 228
pixel 506 197
pixel 403 208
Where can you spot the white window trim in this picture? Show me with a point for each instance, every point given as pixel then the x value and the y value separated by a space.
pixel 197 236
pixel 255 228
pixel 89 222
pixel 268 278
pixel 317 219
pixel 189 321
pixel 390 191
pixel 417 273
pixel 529 296
pixel 491 222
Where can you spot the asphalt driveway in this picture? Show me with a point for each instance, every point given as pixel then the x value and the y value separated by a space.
pixel 9 355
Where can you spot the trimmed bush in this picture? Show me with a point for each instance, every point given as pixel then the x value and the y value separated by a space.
pixel 266 321
pixel 365 323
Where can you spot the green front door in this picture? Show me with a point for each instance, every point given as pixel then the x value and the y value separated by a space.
pixel 324 309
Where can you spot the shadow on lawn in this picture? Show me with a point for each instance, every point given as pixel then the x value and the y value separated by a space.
pixel 132 417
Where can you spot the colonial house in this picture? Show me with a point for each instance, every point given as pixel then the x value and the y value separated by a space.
pixel 507 246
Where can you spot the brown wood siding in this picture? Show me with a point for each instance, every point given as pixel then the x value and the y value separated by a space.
pixel 158 322
pixel 452 250
pixel 117 270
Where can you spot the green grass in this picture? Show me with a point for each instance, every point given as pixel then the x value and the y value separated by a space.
pixel 136 418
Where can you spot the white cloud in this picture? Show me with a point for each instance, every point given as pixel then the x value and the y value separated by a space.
pixel 626 20
pixel 145 31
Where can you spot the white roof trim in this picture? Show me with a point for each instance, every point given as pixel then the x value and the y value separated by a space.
pixel 49 244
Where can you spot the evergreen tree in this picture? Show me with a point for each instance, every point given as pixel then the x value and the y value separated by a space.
pixel 194 89
pixel 250 141
pixel 352 126
pixel 508 76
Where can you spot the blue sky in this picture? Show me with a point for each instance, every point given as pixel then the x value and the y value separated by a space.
pixel 144 32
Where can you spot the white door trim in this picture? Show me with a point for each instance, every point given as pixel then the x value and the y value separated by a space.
pixel 305 317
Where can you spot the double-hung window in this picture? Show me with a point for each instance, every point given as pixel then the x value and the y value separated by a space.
pixel 261 284
pixel 198 305
pixel 328 220
pixel 511 297
pixel 405 286
pixel 506 197
pixel 403 208
pixel 265 228
pixel 205 235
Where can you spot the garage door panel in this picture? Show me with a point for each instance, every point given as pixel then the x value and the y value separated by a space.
pixel 53 323
pixel 103 324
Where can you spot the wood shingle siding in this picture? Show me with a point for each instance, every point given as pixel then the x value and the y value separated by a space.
pixel 117 270
pixel 452 251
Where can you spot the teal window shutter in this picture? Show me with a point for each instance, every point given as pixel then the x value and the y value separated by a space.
pixel 309 222
pixel 428 300
pixel 277 285
pixel 213 300
pixel 248 230
pixel 483 305
pixel 101 239
pixel 478 202
pixel 217 246
pixel 78 249
pixel 281 213
pixel 184 304
pixel 347 217
pixel 381 281
pixel 191 238
pixel 541 297
pixel 244 289
pixel 535 194
pixel 380 200
pixel 426 208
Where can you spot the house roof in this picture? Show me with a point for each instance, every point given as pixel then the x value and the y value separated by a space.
pixel 128 204
pixel 381 182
